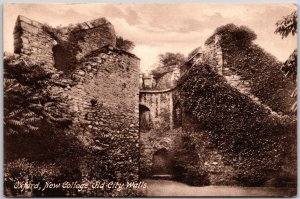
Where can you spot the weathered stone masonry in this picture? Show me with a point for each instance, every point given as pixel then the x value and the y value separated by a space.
pixel 103 90
pixel 161 134
pixel 160 105
pixel 92 35
pixel 30 40
pixel 107 107
pixel 135 131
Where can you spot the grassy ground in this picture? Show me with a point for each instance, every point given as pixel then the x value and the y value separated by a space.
pixel 171 188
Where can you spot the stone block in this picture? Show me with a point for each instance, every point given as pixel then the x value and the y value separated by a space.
pixel 25 51
pixel 25 40
pixel 17 35
pixel 89 24
pixel 36 24
pixel 24 19
pixel 80 72
pixel 28 27
pixel 83 26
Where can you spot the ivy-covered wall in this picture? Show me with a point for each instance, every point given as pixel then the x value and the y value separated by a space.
pixel 253 64
pixel 257 75
pixel 248 137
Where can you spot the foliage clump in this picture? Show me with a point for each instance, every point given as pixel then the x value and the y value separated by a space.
pixel 124 44
pixel 186 163
pixel 230 33
pixel 289 67
pixel 29 103
pixel 287 25
pixel 167 63
pixel 37 120
pixel 169 59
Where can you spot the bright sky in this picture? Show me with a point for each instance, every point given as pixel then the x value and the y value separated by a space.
pixel 160 28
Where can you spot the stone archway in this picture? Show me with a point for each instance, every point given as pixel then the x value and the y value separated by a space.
pixel 161 163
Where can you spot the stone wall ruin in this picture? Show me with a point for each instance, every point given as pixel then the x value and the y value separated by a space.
pixel 102 88
pixel 111 99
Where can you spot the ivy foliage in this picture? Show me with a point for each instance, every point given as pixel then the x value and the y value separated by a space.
pixel 186 163
pixel 29 104
pixel 249 137
pixel 22 170
pixel 253 63
pixel 240 35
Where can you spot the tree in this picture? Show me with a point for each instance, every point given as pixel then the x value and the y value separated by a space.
pixel 29 105
pixel 285 27
pixel 35 124
pixel 169 59
pixel 124 44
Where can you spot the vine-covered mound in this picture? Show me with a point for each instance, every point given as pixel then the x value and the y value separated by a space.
pixel 250 138
pixel 251 62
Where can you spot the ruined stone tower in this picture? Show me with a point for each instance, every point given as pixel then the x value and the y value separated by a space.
pixel 102 87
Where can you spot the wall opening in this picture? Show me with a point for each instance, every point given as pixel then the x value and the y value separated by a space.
pixel 161 163
pixel 60 59
pixel 177 115
pixel 64 59
pixel 145 119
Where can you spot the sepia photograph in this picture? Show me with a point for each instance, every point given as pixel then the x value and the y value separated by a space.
pixel 150 99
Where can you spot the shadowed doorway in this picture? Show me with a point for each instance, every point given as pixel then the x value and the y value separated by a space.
pixel 161 163
pixel 145 119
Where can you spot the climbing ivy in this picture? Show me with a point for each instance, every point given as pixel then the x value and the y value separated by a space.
pixel 250 138
pixel 253 63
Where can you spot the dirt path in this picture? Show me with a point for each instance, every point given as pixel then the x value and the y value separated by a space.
pixel 171 188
